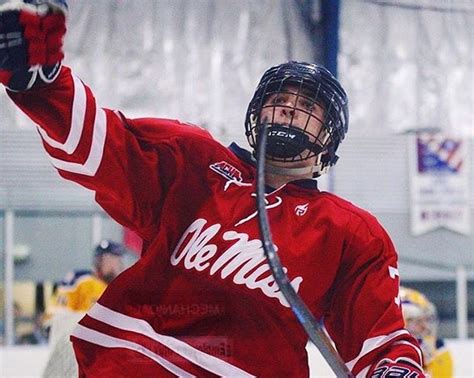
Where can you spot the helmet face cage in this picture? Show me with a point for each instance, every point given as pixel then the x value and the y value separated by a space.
pixel 421 320
pixel 306 94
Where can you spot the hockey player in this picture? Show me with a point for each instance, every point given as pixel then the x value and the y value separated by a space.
pixel 76 294
pixel 421 320
pixel 81 288
pixel 202 301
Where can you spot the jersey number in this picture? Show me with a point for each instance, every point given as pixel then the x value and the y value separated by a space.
pixel 393 272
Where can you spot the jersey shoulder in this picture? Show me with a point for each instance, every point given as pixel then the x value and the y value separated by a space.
pixel 74 277
pixel 364 234
pixel 80 281
pixel 173 135
pixel 157 130
pixel 78 291
pixel 346 209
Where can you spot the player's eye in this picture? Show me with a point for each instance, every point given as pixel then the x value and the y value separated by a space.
pixel 308 105
pixel 279 99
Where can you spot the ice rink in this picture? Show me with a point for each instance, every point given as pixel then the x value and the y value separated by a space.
pixel 29 361
pixel 400 202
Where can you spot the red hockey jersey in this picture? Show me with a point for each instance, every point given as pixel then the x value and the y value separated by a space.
pixel 202 300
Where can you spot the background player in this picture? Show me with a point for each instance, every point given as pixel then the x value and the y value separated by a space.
pixel 421 320
pixel 73 296
pixel 82 288
pixel 202 300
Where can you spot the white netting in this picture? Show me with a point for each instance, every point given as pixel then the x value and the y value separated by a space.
pixel 62 362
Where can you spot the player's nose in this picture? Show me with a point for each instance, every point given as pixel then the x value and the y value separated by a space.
pixel 288 109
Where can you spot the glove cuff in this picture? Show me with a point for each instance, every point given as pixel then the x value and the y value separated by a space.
pixel 35 76
pixel 31 42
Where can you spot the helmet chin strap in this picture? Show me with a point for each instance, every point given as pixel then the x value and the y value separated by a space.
pixel 315 170
pixel 282 171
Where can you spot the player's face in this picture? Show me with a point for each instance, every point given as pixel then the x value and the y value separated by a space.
pixel 110 266
pixel 293 109
pixel 420 327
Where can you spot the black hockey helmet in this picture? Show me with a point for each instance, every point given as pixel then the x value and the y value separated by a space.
pixel 110 247
pixel 288 143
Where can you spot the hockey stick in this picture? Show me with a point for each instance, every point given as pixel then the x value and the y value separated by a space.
pixel 301 311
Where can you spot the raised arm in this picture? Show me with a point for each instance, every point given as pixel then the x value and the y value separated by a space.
pixel 95 147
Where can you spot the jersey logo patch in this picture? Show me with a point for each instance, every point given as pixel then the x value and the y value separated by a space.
pixel 301 210
pixel 227 170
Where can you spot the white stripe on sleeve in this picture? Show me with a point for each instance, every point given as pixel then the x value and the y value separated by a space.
pixel 107 341
pixel 363 372
pixel 128 323
pixel 373 343
pixel 77 121
pixel 90 167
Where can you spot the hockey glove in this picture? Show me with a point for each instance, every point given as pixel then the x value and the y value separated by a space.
pixel 31 42
pixel 400 368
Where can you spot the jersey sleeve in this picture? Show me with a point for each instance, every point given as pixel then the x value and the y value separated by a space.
pixel 103 151
pixel 365 319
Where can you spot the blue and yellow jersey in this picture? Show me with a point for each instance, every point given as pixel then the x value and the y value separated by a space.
pixel 441 366
pixel 78 292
